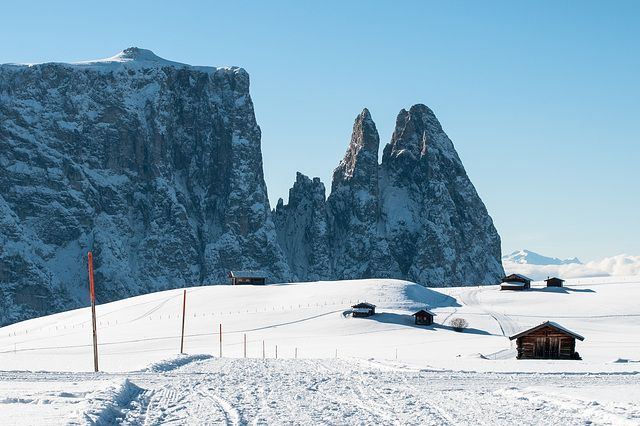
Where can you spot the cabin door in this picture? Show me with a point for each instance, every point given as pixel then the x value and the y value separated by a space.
pixel 539 348
pixel 552 348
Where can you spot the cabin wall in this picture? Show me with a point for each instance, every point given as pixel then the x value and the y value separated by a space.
pixel 546 343
pixel 424 320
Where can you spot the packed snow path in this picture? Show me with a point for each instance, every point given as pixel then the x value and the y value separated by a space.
pixel 206 390
pixel 508 326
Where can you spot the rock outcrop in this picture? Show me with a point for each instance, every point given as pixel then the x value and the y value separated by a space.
pixel 416 216
pixel 154 166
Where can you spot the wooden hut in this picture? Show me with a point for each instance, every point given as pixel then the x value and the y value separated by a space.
pixel 424 317
pixel 248 277
pixel 554 282
pixel 515 282
pixel 547 341
pixel 363 309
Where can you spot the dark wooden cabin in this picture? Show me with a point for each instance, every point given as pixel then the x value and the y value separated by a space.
pixel 515 282
pixel 547 341
pixel 424 317
pixel 248 277
pixel 363 309
pixel 554 282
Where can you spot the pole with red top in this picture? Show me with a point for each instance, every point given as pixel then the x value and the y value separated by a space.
pixel 93 314
pixel 184 311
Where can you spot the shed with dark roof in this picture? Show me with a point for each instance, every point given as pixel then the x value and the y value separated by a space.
pixel 248 277
pixel 424 317
pixel 554 282
pixel 363 309
pixel 548 340
pixel 515 282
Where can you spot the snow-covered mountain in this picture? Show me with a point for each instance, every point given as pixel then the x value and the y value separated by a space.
pixel 416 216
pixel 156 167
pixel 531 258
pixel 540 267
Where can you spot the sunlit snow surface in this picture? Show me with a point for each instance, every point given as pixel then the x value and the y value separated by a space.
pixel 377 370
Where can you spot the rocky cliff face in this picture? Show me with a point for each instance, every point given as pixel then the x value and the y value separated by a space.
pixel 303 230
pixel 416 216
pixel 154 166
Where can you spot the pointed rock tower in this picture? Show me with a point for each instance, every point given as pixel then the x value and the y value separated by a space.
pixel 437 227
pixel 353 206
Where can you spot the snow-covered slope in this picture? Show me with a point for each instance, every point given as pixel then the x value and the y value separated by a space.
pixel 330 368
pixel 313 317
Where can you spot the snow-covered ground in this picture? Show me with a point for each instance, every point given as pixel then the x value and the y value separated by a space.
pixel 330 368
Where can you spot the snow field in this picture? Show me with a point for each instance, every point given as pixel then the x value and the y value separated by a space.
pixel 382 369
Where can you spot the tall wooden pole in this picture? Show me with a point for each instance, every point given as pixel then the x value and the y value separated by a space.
pixel 245 345
pixel 93 314
pixel 220 340
pixel 184 310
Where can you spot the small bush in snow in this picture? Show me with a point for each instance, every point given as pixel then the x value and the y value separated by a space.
pixel 458 324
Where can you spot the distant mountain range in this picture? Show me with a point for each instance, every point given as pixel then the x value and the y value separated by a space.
pixel 531 258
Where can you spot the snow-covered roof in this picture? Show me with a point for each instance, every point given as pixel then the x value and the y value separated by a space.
pixel 547 324
pixel 554 278
pixel 247 274
pixel 519 275
pixel 364 305
pixel 362 310
pixel 424 311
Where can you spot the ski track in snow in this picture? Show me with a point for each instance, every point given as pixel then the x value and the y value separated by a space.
pixel 328 391
pixel 508 326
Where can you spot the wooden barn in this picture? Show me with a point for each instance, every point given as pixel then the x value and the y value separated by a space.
pixel 363 309
pixel 424 317
pixel 547 341
pixel 515 282
pixel 248 277
pixel 554 282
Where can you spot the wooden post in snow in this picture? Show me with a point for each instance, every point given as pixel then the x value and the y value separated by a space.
pixel 263 353
pixel 245 345
pixel 93 314
pixel 184 310
pixel 220 340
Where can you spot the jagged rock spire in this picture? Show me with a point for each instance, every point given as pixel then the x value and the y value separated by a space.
pixel 440 231
pixel 359 167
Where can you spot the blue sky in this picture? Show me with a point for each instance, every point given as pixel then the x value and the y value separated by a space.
pixel 541 99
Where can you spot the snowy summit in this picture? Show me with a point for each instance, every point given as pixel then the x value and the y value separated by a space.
pixel 132 56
